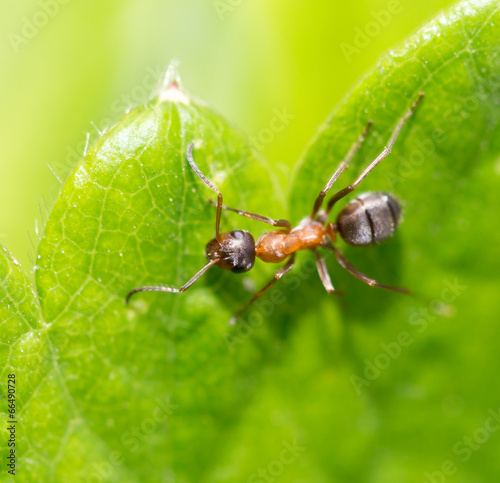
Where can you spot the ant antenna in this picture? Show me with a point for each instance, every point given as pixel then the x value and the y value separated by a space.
pixel 169 289
pixel 210 185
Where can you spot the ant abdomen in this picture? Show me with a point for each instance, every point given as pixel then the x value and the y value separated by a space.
pixel 369 219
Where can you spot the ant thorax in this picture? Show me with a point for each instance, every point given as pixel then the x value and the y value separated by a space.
pixel 276 246
pixel 311 233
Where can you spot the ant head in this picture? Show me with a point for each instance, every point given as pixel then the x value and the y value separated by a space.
pixel 235 250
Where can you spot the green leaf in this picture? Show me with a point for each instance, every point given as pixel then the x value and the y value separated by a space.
pixel 130 389
pixel 24 351
pixel 373 386
pixel 423 367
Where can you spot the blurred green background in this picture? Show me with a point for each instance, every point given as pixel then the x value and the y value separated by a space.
pixel 87 61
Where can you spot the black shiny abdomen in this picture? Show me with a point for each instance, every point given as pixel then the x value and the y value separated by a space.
pixel 369 219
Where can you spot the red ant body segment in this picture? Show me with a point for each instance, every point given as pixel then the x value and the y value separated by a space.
pixel 369 219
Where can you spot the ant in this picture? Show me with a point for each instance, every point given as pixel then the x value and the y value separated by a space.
pixel 369 219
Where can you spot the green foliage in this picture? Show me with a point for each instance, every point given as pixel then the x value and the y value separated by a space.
pixel 369 387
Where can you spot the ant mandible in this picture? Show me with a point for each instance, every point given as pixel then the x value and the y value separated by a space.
pixel 369 219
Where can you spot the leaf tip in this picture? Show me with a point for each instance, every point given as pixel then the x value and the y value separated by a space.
pixel 171 87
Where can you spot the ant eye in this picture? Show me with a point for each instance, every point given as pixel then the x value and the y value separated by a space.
pixel 238 234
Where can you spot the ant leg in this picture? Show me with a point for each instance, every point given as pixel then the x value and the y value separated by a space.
pixel 284 269
pixel 210 185
pixel 254 216
pixel 343 165
pixel 323 272
pixel 361 276
pixel 172 290
pixel 385 152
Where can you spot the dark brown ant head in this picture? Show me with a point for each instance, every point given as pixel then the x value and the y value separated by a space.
pixel 234 249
